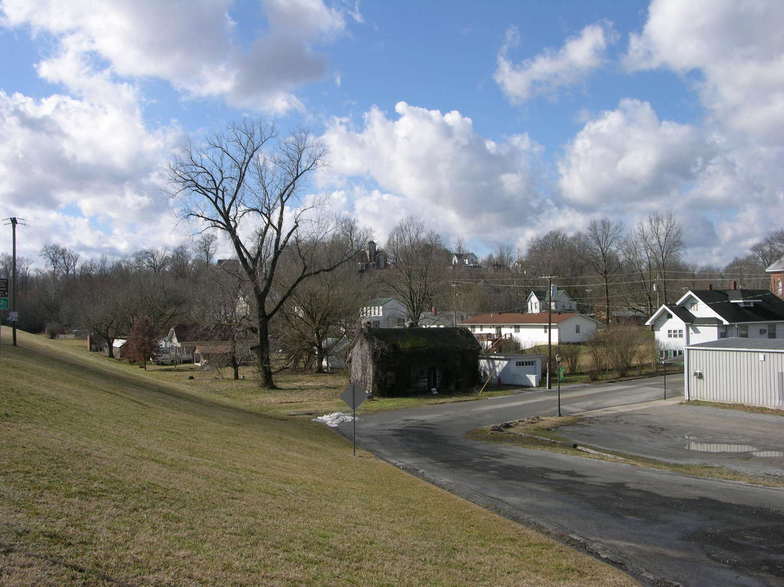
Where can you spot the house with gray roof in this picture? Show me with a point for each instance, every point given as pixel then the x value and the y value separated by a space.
pixel 707 315
pixel 383 313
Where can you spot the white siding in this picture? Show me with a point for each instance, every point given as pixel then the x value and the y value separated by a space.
pixel 754 378
pixel 662 329
pixel 568 329
pixel 525 370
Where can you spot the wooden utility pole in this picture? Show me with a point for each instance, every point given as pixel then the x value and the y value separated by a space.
pixel 14 221
pixel 549 279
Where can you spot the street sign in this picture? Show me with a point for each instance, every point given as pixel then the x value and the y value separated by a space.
pixel 353 396
pixel 13 316
pixel 4 293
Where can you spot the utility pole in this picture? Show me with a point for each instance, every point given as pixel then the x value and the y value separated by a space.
pixel 14 221
pixel 549 279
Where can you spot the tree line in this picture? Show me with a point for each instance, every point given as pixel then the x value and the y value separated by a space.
pixel 292 285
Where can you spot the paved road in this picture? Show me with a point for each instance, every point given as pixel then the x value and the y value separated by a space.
pixel 662 527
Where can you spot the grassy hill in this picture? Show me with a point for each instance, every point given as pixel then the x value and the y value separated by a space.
pixel 109 475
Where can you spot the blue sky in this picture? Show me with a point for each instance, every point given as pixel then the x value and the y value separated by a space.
pixel 495 122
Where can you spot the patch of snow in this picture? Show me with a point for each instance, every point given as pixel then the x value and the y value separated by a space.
pixel 334 419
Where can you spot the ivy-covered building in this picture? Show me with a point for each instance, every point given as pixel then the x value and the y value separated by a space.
pixel 391 362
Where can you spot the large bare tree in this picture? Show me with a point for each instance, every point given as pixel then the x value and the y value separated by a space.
pixel 601 242
pixel 246 182
pixel 420 265
pixel 661 236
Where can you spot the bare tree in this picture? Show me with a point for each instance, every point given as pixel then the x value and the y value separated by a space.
pixel 245 183
pixel 204 248
pixel 770 249
pixel 323 311
pixel 637 260
pixel 600 246
pixel 661 235
pixel 419 268
pixel 62 261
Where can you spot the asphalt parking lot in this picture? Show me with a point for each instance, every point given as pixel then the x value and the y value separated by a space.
pixel 680 433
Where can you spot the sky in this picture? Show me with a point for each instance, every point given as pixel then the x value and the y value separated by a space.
pixel 494 122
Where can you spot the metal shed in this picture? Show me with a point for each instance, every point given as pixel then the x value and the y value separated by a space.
pixel 745 371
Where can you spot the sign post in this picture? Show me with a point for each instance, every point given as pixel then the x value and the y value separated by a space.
pixel 560 375
pixel 354 397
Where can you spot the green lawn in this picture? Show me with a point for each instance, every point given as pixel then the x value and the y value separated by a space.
pixel 110 474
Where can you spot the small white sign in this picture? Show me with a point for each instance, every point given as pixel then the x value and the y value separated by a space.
pixel 13 316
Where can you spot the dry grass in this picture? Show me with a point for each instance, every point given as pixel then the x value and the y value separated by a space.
pixel 739 407
pixel 304 394
pixel 110 475
pixel 541 434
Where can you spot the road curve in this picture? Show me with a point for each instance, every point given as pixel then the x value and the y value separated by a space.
pixel 660 526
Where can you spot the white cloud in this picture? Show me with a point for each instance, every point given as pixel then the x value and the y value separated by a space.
pixel 736 46
pixel 552 70
pixel 434 165
pixel 629 155
pixel 86 172
pixel 189 44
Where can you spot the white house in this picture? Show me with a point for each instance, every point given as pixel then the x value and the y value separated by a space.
pixel 707 315
pixel 524 370
pixel 561 302
pixel 531 329
pixel 384 313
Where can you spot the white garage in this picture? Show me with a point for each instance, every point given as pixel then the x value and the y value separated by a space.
pixel 522 370
pixel 748 371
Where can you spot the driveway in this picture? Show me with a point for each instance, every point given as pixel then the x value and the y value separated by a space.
pixel 660 526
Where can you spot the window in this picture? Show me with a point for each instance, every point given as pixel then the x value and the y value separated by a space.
pixel 743 330
pixel 680 334
pixel 771 331
pixel 517 328
pixel 524 363
pixel 670 334
pixel 577 328
pixel 722 331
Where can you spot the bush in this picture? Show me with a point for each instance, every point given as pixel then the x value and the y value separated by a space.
pixel 570 356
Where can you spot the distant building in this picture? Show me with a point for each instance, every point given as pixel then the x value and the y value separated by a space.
pixel 372 258
pixel 561 301
pixel 443 319
pixel 530 330
pixel 383 313
pixel 465 259
pixel 776 271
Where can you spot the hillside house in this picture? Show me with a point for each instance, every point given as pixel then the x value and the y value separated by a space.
pixel 404 361
pixel 372 258
pixel 707 315
pixel 383 313
pixel 561 302
pixel 465 259
pixel 530 330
